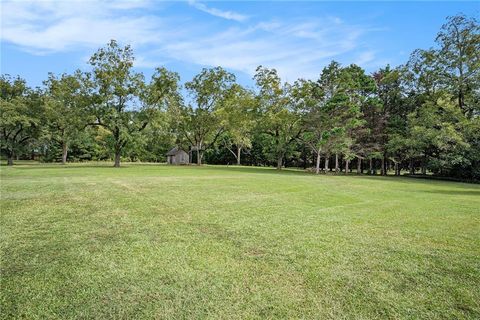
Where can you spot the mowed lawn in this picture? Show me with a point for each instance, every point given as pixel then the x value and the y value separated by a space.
pixel 216 242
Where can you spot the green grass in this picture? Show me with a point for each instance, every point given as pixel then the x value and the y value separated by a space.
pixel 152 241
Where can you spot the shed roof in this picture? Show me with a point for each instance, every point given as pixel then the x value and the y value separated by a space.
pixel 174 151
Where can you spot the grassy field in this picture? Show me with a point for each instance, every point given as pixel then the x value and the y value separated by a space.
pixel 152 241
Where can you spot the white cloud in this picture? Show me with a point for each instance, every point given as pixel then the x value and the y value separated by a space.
pixel 296 47
pixel 229 15
pixel 42 27
pixel 365 57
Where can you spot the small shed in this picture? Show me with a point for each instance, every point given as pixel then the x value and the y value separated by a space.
pixel 177 156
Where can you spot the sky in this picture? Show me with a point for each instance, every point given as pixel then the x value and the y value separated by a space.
pixel 296 38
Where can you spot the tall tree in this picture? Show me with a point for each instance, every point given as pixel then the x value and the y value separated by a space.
pixel 329 86
pixel 120 103
pixel 436 135
pixel 202 125
pixel 21 111
pixel 239 113
pixel 280 121
pixel 64 110
pixel 390 119
pixel 422 74
pixel 459 58
pixel 308 97
pixel 342 93
pixel 360 90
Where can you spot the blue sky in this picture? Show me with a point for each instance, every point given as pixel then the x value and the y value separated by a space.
pixel 296 38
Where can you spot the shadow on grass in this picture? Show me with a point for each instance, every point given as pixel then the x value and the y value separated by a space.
pixel 262 170
pixel 255 170
pixel 84 165
pixel 53 166
pixel 455 192
pixel 410 180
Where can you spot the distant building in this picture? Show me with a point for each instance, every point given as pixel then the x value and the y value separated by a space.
pixel 177 156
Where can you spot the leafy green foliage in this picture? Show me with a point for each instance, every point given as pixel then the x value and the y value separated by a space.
pixel 238 113
pixel 121 102
pixel 202 125
pixel 21 112
pixel 279 120
pixel 421 115
pixel 65 111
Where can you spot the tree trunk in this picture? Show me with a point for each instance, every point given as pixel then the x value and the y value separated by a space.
pixel 382 171
pixel 305 158
pixel 117 159
pixel 397 172
pixel 336 162
pixel 239 152
pixel 461 97
pixel 199 158
pixel 424 165
pixel 279 162
pixel 317 167
pixel 327 159
pixel 64 152
pixel 359 165
pixel 118 147
pixel 346 165
pixel 370 169
pixel 412 168
pixel 10 159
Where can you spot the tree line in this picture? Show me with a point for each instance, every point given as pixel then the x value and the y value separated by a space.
pixel 423 116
